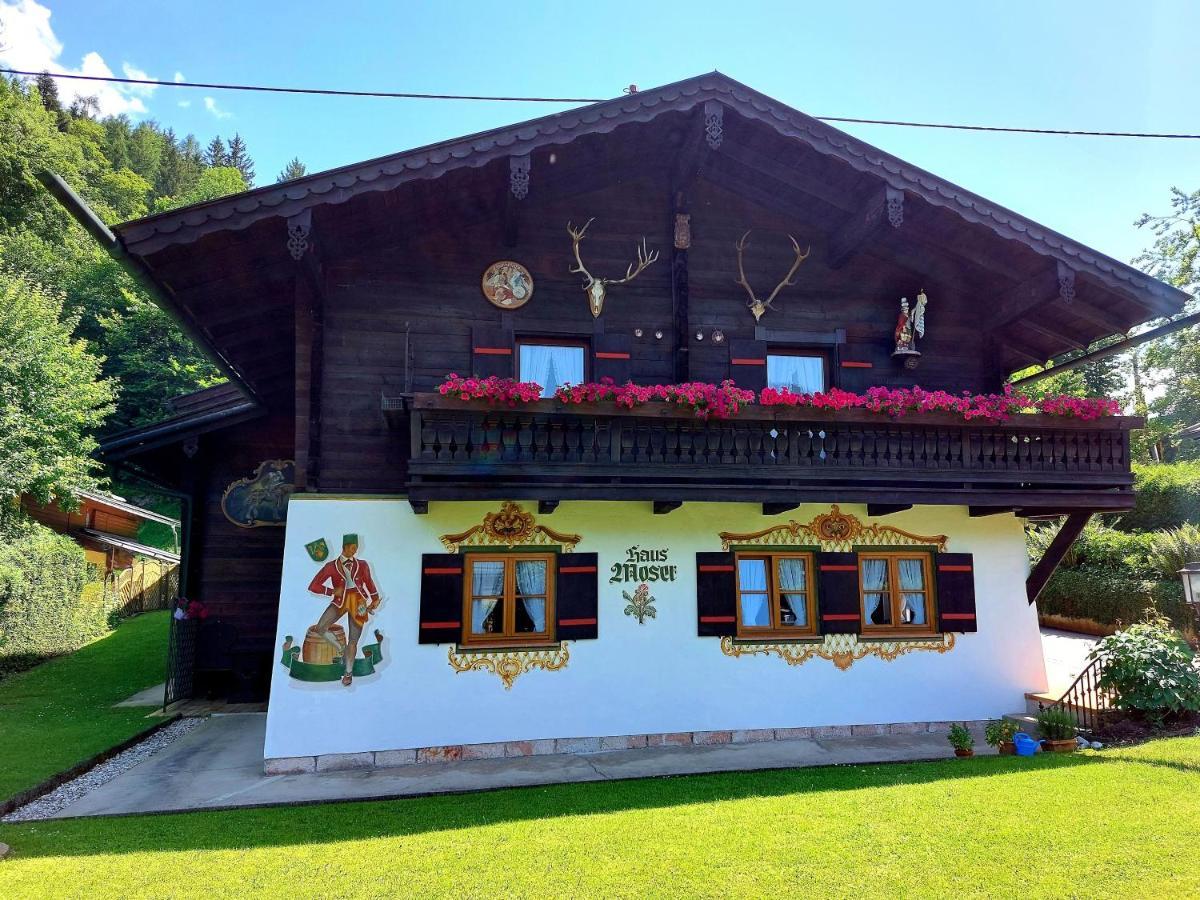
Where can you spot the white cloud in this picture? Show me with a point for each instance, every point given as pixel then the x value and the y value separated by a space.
pixel 178 77
pixel 29 43
pixel 211 105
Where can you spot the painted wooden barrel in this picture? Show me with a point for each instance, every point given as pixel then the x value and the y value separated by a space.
pixel 317 650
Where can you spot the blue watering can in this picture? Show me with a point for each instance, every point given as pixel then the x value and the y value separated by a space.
pixel 1026 746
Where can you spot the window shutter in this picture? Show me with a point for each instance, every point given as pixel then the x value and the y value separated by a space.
pixel 837 593
pixel 441 598
pixel 955 591
pixel 748 364
pixel 492 353
pixel 612 356
pixel 576 597
pixel 716 595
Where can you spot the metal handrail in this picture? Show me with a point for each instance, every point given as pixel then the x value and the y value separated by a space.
pixel 1085 699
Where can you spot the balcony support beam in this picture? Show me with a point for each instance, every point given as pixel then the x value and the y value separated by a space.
pixel 545 507
pixel 1067 533
pixel 776 509
pixel 886 509
pixel 662 507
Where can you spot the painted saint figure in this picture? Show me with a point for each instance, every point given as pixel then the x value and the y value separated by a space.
pixel 347 581
pixel 910 325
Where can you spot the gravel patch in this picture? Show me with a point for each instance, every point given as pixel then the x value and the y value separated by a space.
pixel 62 796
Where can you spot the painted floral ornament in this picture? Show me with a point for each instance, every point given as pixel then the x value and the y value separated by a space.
pixel 507 284
pixel 640 605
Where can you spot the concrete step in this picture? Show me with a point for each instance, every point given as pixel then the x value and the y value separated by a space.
pixel 1024 721
pixel 1048 698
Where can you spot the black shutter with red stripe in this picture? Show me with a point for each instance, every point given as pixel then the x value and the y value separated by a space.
pixel 955 591
pixel 837 593
pixel 441 598
pixel 716 595
pixel 748 364
pixel 577 600
pixel 492 353
pixel 612 356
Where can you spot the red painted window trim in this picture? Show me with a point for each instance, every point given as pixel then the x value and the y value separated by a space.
pixel 744 361
pixel 958 615
pixel 442 571
pixel 576 621
pixel 575 570
pixel 493 351
pixel 611 355
pixel 839 617
pixel 441 625
pixel 955 569
pixel 716 568
pixel 839 568
pixel 717 619
pixel 856 364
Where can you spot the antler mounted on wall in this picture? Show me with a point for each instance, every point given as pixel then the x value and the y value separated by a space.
pixel 758 307
pixel 597 287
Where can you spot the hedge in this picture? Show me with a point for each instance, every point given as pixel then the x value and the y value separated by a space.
pixel 1112 598
pixel 50 602
pixel 1167 495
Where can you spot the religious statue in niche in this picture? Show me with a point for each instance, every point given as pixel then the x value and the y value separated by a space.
pixel 597 288
pixel 910 325
pixel 507 284
pixel 261 499
pixel 641 604
pixel 330 652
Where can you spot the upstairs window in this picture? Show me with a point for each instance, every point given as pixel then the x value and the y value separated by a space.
pixel 895 592
pixel 551 363
pixel 801 372
pixel 775 595
pixel 509 598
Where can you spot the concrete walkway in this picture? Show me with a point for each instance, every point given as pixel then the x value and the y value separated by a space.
pixel 219 764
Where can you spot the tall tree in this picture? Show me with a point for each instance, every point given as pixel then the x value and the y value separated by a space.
pixel 240 159
pixel 214 154
pixel 293 170
pixel 170 167
pixel 48 91
pixel 145 150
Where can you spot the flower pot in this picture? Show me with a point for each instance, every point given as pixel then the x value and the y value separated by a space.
pixel 1006 748
pixel 1060 746
pixel 964 752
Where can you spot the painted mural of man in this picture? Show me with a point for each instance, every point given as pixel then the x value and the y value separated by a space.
pixel 347 581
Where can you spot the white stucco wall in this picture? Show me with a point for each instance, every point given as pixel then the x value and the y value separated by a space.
pixel 652 678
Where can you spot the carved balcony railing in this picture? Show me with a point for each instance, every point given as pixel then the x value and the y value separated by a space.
pixel 548 450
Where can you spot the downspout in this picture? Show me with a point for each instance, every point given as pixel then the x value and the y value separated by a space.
pixel 141 273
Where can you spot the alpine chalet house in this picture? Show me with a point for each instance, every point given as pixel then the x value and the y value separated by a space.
pixel 592 557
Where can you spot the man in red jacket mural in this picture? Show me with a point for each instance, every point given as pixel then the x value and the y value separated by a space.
pixel 347 580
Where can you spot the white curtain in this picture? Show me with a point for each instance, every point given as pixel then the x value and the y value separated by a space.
pixel 792 575
pixel 487 578
pixel 874 578
pixel 531 581
pixel 551 366
pixel 912 577
pixel 752 580
pixel 798 374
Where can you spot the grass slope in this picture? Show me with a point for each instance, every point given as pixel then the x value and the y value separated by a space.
pixel 1115 823
pixel 60 713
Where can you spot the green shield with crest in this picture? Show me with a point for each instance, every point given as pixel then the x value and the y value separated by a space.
pixel 318 550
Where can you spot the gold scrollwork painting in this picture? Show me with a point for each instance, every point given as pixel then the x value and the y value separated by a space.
pixel 261 499
pixel 834 530
pixel 508 664
pixel 843 650
pixel 511 526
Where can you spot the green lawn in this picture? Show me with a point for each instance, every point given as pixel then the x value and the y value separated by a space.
pixel 1115 823
pixel 60 713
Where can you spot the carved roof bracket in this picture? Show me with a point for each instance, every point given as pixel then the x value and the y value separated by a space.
pixel 1066 283
pixel 518 176
pixel 714 123
pixel 299 227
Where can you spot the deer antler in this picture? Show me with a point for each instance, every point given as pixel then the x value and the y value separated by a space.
pixel 644 259
pixel 758 307
pixel 577 236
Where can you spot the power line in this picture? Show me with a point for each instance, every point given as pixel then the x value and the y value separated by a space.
pixel 398 95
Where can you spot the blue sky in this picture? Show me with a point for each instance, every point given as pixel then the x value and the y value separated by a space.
pixel 1093 65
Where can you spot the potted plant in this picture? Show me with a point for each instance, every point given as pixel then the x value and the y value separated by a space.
pixel 961 740
pixel 999 734
pixel 1057 728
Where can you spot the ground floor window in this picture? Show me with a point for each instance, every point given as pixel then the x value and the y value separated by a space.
pixel 509 598
pixel 895 591
pixel 775 594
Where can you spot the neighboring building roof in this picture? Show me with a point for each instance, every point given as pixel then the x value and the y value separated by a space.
pixel 196 413
pixel 144 236
pixel 123 543
pixel 119 503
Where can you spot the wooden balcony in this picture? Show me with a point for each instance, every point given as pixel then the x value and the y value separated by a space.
pixel 548 451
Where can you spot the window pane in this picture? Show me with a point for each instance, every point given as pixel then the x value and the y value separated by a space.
pixel 487 616
pixel 531 614
pixel 531 577
pixel 912 575
pixel 551 366
pixel 793 611
pixel 912 609
pixel 798 374
pixel 792 575
pixel 756 611
pixel 875 574
pixel 487 578
pixel 878 609
pixel 752 574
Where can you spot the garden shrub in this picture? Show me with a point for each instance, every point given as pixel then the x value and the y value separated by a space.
pixel 1113 597
pixel 50 600
pixel 1170 550
pixel 1150 669
pixel 1167 495
pixel 1098 546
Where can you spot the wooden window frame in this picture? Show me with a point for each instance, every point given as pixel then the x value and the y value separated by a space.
pixel 535 341
pixel 895 600
pixel 774 596
pixel 824 355
pixel 509 637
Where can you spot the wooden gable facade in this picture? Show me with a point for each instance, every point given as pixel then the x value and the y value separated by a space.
pixel 340 301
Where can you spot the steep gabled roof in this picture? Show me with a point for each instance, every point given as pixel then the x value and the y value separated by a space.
pixel 144 236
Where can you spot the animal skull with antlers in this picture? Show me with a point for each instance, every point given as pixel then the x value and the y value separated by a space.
pixel 758 307
pixel 597 287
